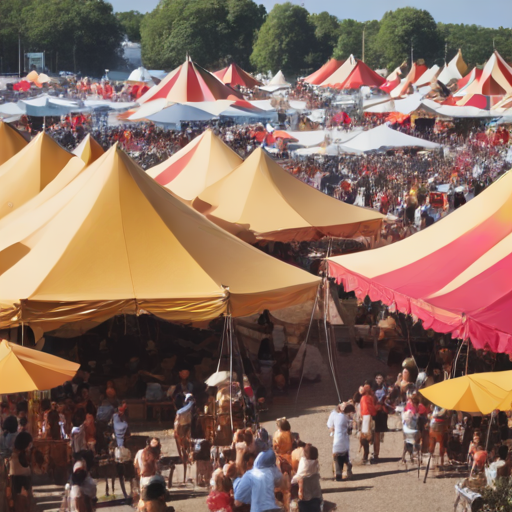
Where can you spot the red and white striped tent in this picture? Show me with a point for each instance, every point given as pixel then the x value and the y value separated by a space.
pixel 190 83
pixel 234 75
pixel 324 72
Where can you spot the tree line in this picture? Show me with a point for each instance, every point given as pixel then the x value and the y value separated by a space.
pixel 298 42
pixel 86 36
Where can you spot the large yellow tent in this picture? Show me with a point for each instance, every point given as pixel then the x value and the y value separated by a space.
pixel 262 198
pixel 23 369
pixel 122 243
pixel 11 142
pixel 88 150
pixel 29 171
pixel 71 170
pixel 201 163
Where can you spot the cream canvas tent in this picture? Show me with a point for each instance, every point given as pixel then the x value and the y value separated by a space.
pixel 88 150
pixel 454 70
pixel 122 243
pixel 28 172
pixel 262 199
pixel 496 79
pixel 427 77
pixel 201 163
pixel 11 142
pixel 278 82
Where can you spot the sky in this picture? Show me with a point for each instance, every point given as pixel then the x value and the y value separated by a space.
pixel 493 13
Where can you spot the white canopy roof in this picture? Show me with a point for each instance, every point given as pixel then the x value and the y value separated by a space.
pixel 140 75
pixel 383 137
pixel 460 112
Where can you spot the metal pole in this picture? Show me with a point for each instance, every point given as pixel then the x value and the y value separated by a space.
pixel 19 54
pixel 364 28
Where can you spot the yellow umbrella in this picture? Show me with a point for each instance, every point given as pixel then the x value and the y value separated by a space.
pixel 24 369
pixel 483 393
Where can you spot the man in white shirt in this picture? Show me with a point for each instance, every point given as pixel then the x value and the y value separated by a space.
pixel 340 424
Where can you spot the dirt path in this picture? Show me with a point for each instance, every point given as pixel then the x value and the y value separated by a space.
pixel 393 486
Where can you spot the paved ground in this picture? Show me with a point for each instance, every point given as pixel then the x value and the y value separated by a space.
pixel 394 487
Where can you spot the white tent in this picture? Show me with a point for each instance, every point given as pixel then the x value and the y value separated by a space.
pixel 278 82
pixel 383 137
pixel 404 106
pixel 455 69
pixel 46 105
pixel 177 113
pixel 460 112
pixel 308 138
pixel 428 76
pixel 140 75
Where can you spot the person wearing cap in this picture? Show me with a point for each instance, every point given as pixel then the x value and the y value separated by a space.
pixel 82 495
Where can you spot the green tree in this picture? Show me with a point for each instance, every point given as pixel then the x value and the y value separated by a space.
pixel 131 21
pixel 77 35
pixel 350 41
pixel 212 32
pixel 12 24
pixel 327 32
pixel 245 18
pixel 476 42
pixel 284 40
pixel 408 26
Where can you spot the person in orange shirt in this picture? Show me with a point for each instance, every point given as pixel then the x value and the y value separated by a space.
pixel 367 410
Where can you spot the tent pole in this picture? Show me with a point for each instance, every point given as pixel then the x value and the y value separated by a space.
pixel 230 333
pixel 305 343
pixel 328 340
pixel 22 334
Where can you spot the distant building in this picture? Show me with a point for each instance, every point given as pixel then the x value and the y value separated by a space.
pixel 132 54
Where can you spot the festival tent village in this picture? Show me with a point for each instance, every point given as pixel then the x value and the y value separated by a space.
pixel 455 276
pixel 234 75
pixel 29 171
pixel 324 72
pixel 261 200
pixel 11 142
pixel 353 74
pixel 120 243
pixel 200 164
